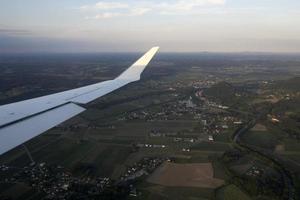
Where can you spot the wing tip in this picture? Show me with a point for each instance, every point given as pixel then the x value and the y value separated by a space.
pixel 156 48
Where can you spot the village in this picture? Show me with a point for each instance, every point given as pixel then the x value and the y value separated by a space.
pixel 57 182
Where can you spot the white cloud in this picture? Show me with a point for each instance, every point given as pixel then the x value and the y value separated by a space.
pixel 112 5
pixel 131 13
pixel 104 6
pixel 118 9
pixel 187 5
pixel 107 15
pixel 139 11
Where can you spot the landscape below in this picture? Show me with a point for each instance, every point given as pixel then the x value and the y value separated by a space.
pixel 197 126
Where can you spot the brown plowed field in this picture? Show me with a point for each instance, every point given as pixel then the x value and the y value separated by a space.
pixel 185 175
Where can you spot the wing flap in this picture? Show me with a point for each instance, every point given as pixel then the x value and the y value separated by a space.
pixel 109 87
pixel 22 131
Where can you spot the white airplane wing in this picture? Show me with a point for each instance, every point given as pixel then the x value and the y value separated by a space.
pixel 21 121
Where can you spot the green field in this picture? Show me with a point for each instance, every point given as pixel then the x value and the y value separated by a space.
pixel 211 146
pixel 292 145
pixel 224 136
pixel 104 140
pixel 231 192
pixel 262 139
pixel 151 191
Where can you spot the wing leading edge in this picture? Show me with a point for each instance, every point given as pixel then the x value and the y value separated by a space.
pixel 21 121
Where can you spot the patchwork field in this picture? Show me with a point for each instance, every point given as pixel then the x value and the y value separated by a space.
pixel 186 175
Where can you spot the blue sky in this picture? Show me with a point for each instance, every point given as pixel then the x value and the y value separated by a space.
pixel 135 25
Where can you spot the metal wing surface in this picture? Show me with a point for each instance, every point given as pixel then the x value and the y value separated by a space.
pixel 21 121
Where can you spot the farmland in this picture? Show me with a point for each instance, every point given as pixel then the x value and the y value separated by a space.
pixel 184 113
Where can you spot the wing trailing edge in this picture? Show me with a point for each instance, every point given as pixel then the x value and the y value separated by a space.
pixel 22 131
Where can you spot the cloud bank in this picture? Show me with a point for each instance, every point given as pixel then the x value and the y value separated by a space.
pixel 105 10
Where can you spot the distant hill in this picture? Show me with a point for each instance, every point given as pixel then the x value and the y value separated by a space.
pixel 222 91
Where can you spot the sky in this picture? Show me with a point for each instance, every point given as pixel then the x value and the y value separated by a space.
pixel 137 25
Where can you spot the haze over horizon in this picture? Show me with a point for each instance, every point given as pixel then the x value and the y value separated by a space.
pixel 128 25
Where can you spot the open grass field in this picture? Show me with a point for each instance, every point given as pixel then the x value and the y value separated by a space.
pixel 18 190
pixel 158 192
pixel 96 158
pixel 262 139
pixel 292 145
pixel 224 136
pixel 293 156
pixel 199 157
pixel 231 192
pixel 185 175
pixel 212 146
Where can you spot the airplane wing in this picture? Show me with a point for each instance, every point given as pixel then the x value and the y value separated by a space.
pixel 21 121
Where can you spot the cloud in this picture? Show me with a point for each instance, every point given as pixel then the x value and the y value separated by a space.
pixel 104 6
pixel 132 13
pixel 112 5
pixel 186 6
pixel 105 15
pixel 139 11
pixel 107 10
